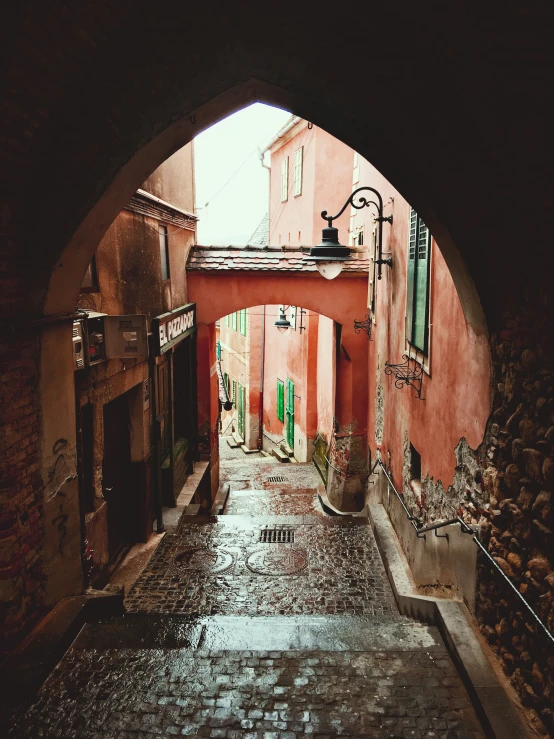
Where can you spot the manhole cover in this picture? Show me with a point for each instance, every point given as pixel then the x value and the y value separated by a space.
pixel 277 536
pixel 277 478
pixel 277 560
pixel 204 560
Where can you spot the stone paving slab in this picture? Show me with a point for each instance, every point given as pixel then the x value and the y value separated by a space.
pixel 261 694
pixel 287 500
pixel 342 574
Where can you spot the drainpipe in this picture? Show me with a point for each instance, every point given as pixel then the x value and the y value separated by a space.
pixel 262 363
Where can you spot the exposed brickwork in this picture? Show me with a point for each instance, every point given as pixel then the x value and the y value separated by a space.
pixel 21 525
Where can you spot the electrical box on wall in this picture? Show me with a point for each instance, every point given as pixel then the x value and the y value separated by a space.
pixel 78 346
pixel 97 337
pixel 126 337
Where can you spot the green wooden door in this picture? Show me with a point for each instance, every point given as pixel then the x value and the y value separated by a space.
pixel 289 412
pixel 241 408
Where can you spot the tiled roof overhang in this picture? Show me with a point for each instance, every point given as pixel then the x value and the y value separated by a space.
pixel 268 258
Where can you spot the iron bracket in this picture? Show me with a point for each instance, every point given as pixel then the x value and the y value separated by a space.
pixel 365 325
pixel 406 374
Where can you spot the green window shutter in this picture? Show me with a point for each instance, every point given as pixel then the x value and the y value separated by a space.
pixel 280 400
pixel 411 276
pixel 290 413
pixel 227 321
pixel 243 322
pixel 241 408
pixel 421 289
pixel 234 398
pixel 234 321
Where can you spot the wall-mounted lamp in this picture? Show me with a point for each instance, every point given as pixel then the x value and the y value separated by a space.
pixel 282 323
pixel 331 255
pixel 364 325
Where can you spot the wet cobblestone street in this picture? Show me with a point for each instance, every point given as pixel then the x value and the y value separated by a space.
pixel 271 621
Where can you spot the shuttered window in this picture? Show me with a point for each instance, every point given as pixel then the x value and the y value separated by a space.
pixel 298 169
pixel 280 400
pixel 417 300
pixel 241 408
pixel 242 322
pixel 227 320
pixel 234 321
pixel 289 429
pixel 285 179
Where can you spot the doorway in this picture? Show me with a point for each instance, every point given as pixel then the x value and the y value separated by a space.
pixel 117 473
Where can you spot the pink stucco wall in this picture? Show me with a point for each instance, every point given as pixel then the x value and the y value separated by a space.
pixel 456 387
pixel 298 220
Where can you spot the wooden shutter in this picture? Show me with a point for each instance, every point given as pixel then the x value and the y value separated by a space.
pixel 280 400
pixel 411 276
pixel 243 322
pixel 285 179
pixel 234 321
pixel 290 413
pixel 227 321
pixel 421 289
pixel 298 170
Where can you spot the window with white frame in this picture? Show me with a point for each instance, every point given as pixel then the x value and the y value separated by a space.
pixel 298 170
pixel 285 179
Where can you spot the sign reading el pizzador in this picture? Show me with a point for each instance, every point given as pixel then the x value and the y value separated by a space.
pixel 170 328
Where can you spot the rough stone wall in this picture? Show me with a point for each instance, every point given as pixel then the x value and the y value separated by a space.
pixel 518 477
pixel 21 502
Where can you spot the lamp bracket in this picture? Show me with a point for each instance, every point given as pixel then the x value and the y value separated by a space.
pixel 406 373
pixel 365 325
pixel 382 219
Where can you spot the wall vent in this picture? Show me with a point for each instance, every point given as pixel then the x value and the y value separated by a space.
pixel 277 478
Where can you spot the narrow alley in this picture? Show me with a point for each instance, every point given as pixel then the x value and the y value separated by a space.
pixel 273 620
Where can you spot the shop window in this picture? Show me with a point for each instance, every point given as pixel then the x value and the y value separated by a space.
pixel 417 301
pixel 298 170
pixel 280 400
pixel 242 322
pixel 90 280
pixel 285 180
pixel 164 252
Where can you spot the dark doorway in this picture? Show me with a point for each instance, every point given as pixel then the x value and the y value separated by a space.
pixel 184 410
pixel 117 473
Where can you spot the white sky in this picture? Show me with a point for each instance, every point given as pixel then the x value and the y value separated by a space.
pixel 234 211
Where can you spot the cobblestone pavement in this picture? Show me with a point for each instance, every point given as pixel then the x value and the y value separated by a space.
pixel 231 634
pixel 343 572
pixel 132 693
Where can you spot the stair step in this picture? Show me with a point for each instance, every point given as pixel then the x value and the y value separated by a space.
pixel 238 438
pixel 287 450
pixel 232 443
pixel 280 455
pixel 246 450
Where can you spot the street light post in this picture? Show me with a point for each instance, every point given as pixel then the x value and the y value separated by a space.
pixel 331 255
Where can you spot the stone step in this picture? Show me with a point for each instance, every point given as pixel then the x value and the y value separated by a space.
pixel 232 443
pixel 321 633
pixel 280 455
pixel 284 447
pixel 238 438
pixel 246 450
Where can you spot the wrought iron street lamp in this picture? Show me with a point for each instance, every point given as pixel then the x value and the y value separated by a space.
pixel 331 255
pixel 282 323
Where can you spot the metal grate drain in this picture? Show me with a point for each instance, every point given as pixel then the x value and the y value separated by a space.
pixel 277 536
pixel 277 478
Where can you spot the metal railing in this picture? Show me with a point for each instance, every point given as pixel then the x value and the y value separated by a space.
pixel 422 530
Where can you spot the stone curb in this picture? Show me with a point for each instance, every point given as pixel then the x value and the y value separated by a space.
pixel 499 716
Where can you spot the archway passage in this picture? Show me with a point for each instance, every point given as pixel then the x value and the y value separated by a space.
pixel 222 281
pixel 463 163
